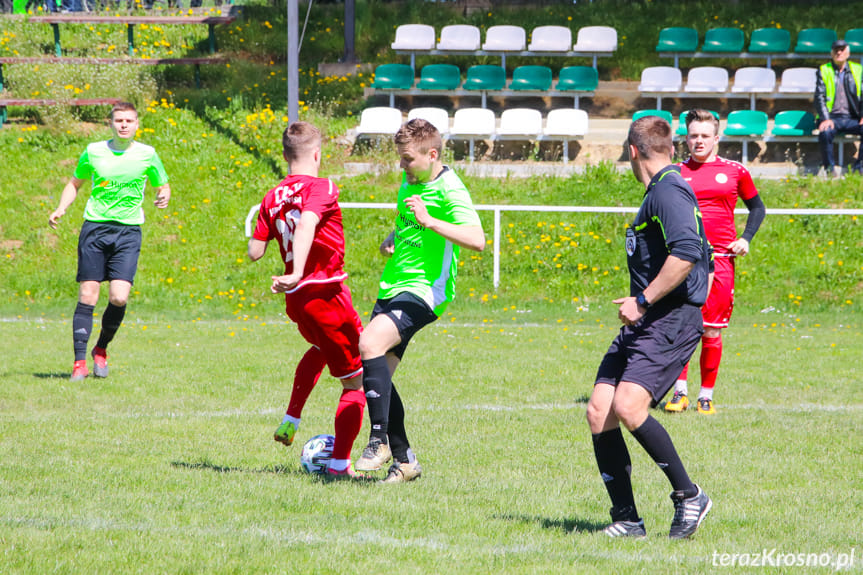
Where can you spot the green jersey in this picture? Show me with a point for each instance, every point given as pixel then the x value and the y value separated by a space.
pixel 424 263
pixel 118 181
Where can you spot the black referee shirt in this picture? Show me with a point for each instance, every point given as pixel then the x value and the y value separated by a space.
pixel 669 223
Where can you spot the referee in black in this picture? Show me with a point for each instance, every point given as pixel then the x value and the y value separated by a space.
pixel 670 262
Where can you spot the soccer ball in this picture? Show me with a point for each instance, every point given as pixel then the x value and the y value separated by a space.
pixel 317 453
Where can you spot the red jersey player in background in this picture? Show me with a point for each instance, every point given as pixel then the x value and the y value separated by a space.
pixel 302 214
pixel 717 184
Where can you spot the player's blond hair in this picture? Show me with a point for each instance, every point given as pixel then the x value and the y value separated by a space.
pixel 300 139
pixel 122 107
pixel 702 115
pixel 420 133
pixel 651 136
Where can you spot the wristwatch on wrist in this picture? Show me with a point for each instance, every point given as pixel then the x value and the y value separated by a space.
pixel 642 301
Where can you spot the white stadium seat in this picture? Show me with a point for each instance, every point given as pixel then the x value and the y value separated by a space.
pixel 707 79
pixel 505 38
pixel 754 79
pixel 798 80
pixel 550 39
pixel 660 79
pixel 414 37
pixel 565 124
pixel 472 124
pixel 380 121
pixel 438 117
pixel 459 37
pixel 520 123
pixel 596 39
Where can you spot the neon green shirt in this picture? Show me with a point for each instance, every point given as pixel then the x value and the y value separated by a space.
pixel 118 180
pixel 424 263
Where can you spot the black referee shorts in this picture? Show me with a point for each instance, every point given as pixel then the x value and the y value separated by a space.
pixel 108 251
pixel 652 352
pixel 409 313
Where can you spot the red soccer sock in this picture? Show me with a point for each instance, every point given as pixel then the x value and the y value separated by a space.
pixel 349 421
pixel 683 373
pixel 305 378
pixel 711 355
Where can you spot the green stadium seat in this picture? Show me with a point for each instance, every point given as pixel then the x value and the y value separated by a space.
pixel 793 123
pixel 681 122
pixel 724 40
pixel 485 77
pixel 854 37
pixel 661 113
pixel 581 78
pixel 531 78
pixel 439 77
pixel 815 41
pixel 746 123
pixel 770 41
pixel 393 77
pixel 677 40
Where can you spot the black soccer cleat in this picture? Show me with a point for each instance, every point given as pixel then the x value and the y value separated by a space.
pixel 688 513
pixel 626 529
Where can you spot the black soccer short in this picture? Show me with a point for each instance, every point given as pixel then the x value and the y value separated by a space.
pixel 652 352
pixel 108 251
pixel 409 313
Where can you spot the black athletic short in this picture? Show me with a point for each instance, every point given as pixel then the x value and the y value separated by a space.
pixel 409 313
pixel 652 352
pixel 108 251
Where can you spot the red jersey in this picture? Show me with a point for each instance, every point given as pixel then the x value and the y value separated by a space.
pixel 717 185
pixel 280 214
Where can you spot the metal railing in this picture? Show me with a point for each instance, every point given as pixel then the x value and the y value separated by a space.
pixel 498 209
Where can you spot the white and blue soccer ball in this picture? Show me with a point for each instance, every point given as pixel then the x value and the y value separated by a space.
pixel 317 453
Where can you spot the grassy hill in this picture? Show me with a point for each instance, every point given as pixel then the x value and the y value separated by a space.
pixel 193 261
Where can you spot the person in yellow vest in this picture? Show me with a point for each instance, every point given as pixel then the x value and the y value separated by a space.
pixel 837 103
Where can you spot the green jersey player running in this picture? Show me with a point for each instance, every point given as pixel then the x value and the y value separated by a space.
pixel 436 218
pixel 110 237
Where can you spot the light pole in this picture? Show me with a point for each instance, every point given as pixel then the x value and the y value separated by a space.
pixel 293 62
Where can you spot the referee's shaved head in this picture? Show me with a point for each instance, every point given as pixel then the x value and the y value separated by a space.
pixel 651 136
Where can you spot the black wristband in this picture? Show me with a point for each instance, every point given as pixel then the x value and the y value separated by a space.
pixel 642 301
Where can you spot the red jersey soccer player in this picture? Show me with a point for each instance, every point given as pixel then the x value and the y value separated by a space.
pixel 717 184
pixel 302 213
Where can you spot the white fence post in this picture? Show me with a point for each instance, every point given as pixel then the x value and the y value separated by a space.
pixel 496 280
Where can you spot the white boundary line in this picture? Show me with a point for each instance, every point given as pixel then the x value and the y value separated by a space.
pixel 538 407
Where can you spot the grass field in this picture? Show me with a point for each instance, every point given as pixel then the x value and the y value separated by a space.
pixel 169 466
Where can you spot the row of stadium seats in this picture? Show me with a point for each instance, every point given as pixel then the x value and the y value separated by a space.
pixel 466 38
pixel 592 41
pixel 766 43
pixel 752 125
pixel 722 41
pixel 482 78
pixel 711 81
pixel 471 124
